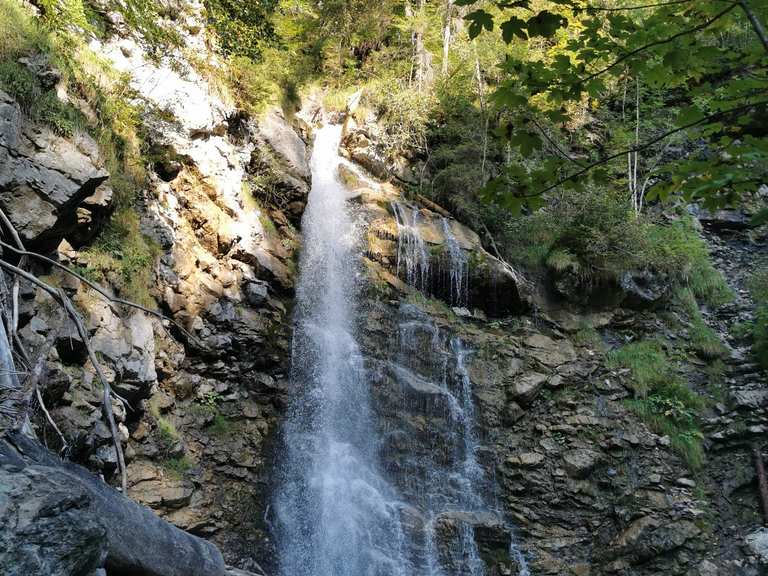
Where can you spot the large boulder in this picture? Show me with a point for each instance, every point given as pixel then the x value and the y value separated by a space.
pixel 49 185
pixel 47 525
pixel 71 518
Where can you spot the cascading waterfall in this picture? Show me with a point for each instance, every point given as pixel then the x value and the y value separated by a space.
pixel 458 269
pixel 412 254
pixel 336 515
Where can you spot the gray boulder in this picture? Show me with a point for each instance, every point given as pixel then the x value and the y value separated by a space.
pixel 71 519
pixel 47 526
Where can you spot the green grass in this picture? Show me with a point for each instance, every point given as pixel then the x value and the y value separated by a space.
pixel 221 425
pixel 588 337
pixel 704 341
pixel 678 250
pixel 758 288
pixel 662 399
pixel 646 361
pixel 177 467
pixel 125 257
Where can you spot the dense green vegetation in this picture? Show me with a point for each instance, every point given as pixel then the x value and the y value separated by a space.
pixel 99 104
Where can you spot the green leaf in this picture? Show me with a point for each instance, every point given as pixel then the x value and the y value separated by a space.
pixel 513 27
pixel 545 24
pixel 527 142
pixel 463 2
pixel 478 20
pixel 689 115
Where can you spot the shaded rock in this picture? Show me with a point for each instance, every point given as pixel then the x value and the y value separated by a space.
pixel 527 386
pixel 44 177
pixel 580 462
pixel 721 220
pixel 47 525
pixel 757 544
pixel 648 537
pixel 643 289
pixel 137 541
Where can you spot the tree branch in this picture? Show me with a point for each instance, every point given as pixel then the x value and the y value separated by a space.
pixel 637 7
pixel 645 145
pixel 61 297
pixel 672 38
pixel 756 24
pixel 554 144
pixel 106 295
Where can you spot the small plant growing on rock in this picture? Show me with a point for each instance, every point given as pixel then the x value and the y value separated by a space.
pixel 662 398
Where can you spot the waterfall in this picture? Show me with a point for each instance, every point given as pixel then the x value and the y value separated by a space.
pixel 339 510
pixel 336 515
pixel 458 270
pixel 412 254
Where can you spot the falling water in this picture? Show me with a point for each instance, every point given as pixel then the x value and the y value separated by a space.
pixel 458 271
pixel 337 512
pixel 336 515
pixel 412 254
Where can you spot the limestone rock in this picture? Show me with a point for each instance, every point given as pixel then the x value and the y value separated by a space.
pixel 757 543
pixel 580 462
pixel 527 386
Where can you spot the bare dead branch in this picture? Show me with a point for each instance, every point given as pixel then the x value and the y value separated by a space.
pixel 61 297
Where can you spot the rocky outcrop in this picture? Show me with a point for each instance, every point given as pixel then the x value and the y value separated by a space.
pixel 50 186
pixel 419 244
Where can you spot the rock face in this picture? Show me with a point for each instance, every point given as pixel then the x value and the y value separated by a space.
pixel 202 397
pixel 45 178
pixel 411 244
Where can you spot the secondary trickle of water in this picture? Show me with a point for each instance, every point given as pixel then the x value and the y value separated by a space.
pixel 336 515
pixel 458 270
pixel 412 254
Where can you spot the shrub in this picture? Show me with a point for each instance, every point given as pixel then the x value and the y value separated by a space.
pixel 678 250
pixel 177 467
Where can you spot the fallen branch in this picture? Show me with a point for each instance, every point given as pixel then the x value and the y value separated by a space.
pixel 33 380
pixel 61 297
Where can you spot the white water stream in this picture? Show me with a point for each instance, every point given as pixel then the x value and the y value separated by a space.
pixel 338 513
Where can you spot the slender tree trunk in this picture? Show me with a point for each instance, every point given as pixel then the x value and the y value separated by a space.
pixel 447 25
pixel 638 193
pixel 756 24
pixel 483 114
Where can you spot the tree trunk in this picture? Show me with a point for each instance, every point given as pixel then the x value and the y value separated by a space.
pixel 447 25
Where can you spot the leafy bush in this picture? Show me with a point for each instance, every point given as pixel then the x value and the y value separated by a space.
pixel 241 27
